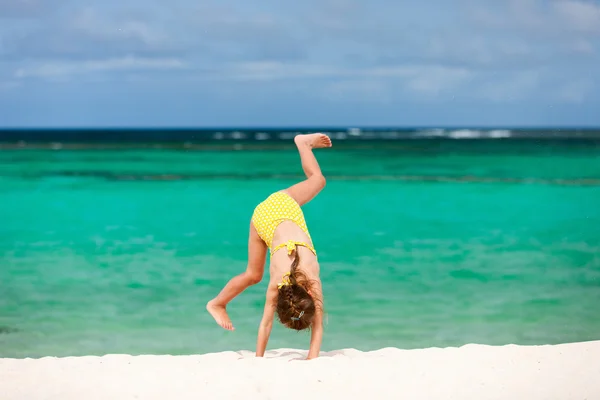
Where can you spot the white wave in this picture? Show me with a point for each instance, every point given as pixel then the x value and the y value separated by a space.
pixel 262 136
pixel 432 133
pixel 287 135
pixel 496 134
pixel 465 134
pixel 477 134
pixel 390 135
pixel 238 135
pixel 338 135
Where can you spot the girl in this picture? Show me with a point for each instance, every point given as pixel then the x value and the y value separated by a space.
pixel 294 289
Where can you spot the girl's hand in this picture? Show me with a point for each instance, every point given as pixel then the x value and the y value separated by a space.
pixel 316 336
pixel 266 324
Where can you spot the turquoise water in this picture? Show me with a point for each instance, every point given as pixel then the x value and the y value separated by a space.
pixel 421 245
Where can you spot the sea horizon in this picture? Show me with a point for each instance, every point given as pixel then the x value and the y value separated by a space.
pixel 76 137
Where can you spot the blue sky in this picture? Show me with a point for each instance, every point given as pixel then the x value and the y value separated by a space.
pixel 299 63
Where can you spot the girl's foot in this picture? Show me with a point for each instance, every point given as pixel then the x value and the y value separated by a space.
pixel 313 140
pixel 219 313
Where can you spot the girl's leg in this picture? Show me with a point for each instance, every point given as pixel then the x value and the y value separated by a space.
pixel 306 190
pixel 257 256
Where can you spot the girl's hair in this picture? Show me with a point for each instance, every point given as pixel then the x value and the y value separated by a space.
pixel 295 306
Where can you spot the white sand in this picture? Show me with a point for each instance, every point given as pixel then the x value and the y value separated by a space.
pixel 562 372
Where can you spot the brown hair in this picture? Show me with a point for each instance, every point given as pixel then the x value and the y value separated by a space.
pixel 295 306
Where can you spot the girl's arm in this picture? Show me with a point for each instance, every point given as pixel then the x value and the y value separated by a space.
pixel 264 330
pixel 316 336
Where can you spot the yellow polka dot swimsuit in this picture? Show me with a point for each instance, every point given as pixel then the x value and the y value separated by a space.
pixel 277 208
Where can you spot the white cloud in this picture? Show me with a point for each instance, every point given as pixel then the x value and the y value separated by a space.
pixel 529 13
pixel 66 69
pixel 575 92
pixel 358 90
pixel 582 46
pixel 278 70
pixel 90 22
pixel 515 87
pixel 347 83
pixel 581 16
pixel 436 80
pixel 482 52
pixel 7 85
pixel 538 19
pixel 21 8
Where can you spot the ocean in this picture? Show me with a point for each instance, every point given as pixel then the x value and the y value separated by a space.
pixel 114 244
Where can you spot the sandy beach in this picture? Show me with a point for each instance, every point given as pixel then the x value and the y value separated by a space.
pixel 566 371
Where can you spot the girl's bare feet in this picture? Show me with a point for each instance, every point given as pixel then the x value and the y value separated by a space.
pixel 219 313
pixel 313 140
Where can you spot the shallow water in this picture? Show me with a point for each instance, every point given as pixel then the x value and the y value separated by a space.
pixel 421 245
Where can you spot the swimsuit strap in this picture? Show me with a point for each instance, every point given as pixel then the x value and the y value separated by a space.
pixel 291 247
pixel 285 281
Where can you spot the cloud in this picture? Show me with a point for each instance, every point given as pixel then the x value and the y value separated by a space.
pixel 484 53
pixel 234 34
pixel 535 19
pixel 426 79
pixel 87 33
pixel 581 16
pixel 376 33
pixel 435 80
pixel 575 91
pixel 8 85
pixel 22 8
pixel 358 90
pixel 582 46
pixel 94 25
pixel 67 69
pixel 511 87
